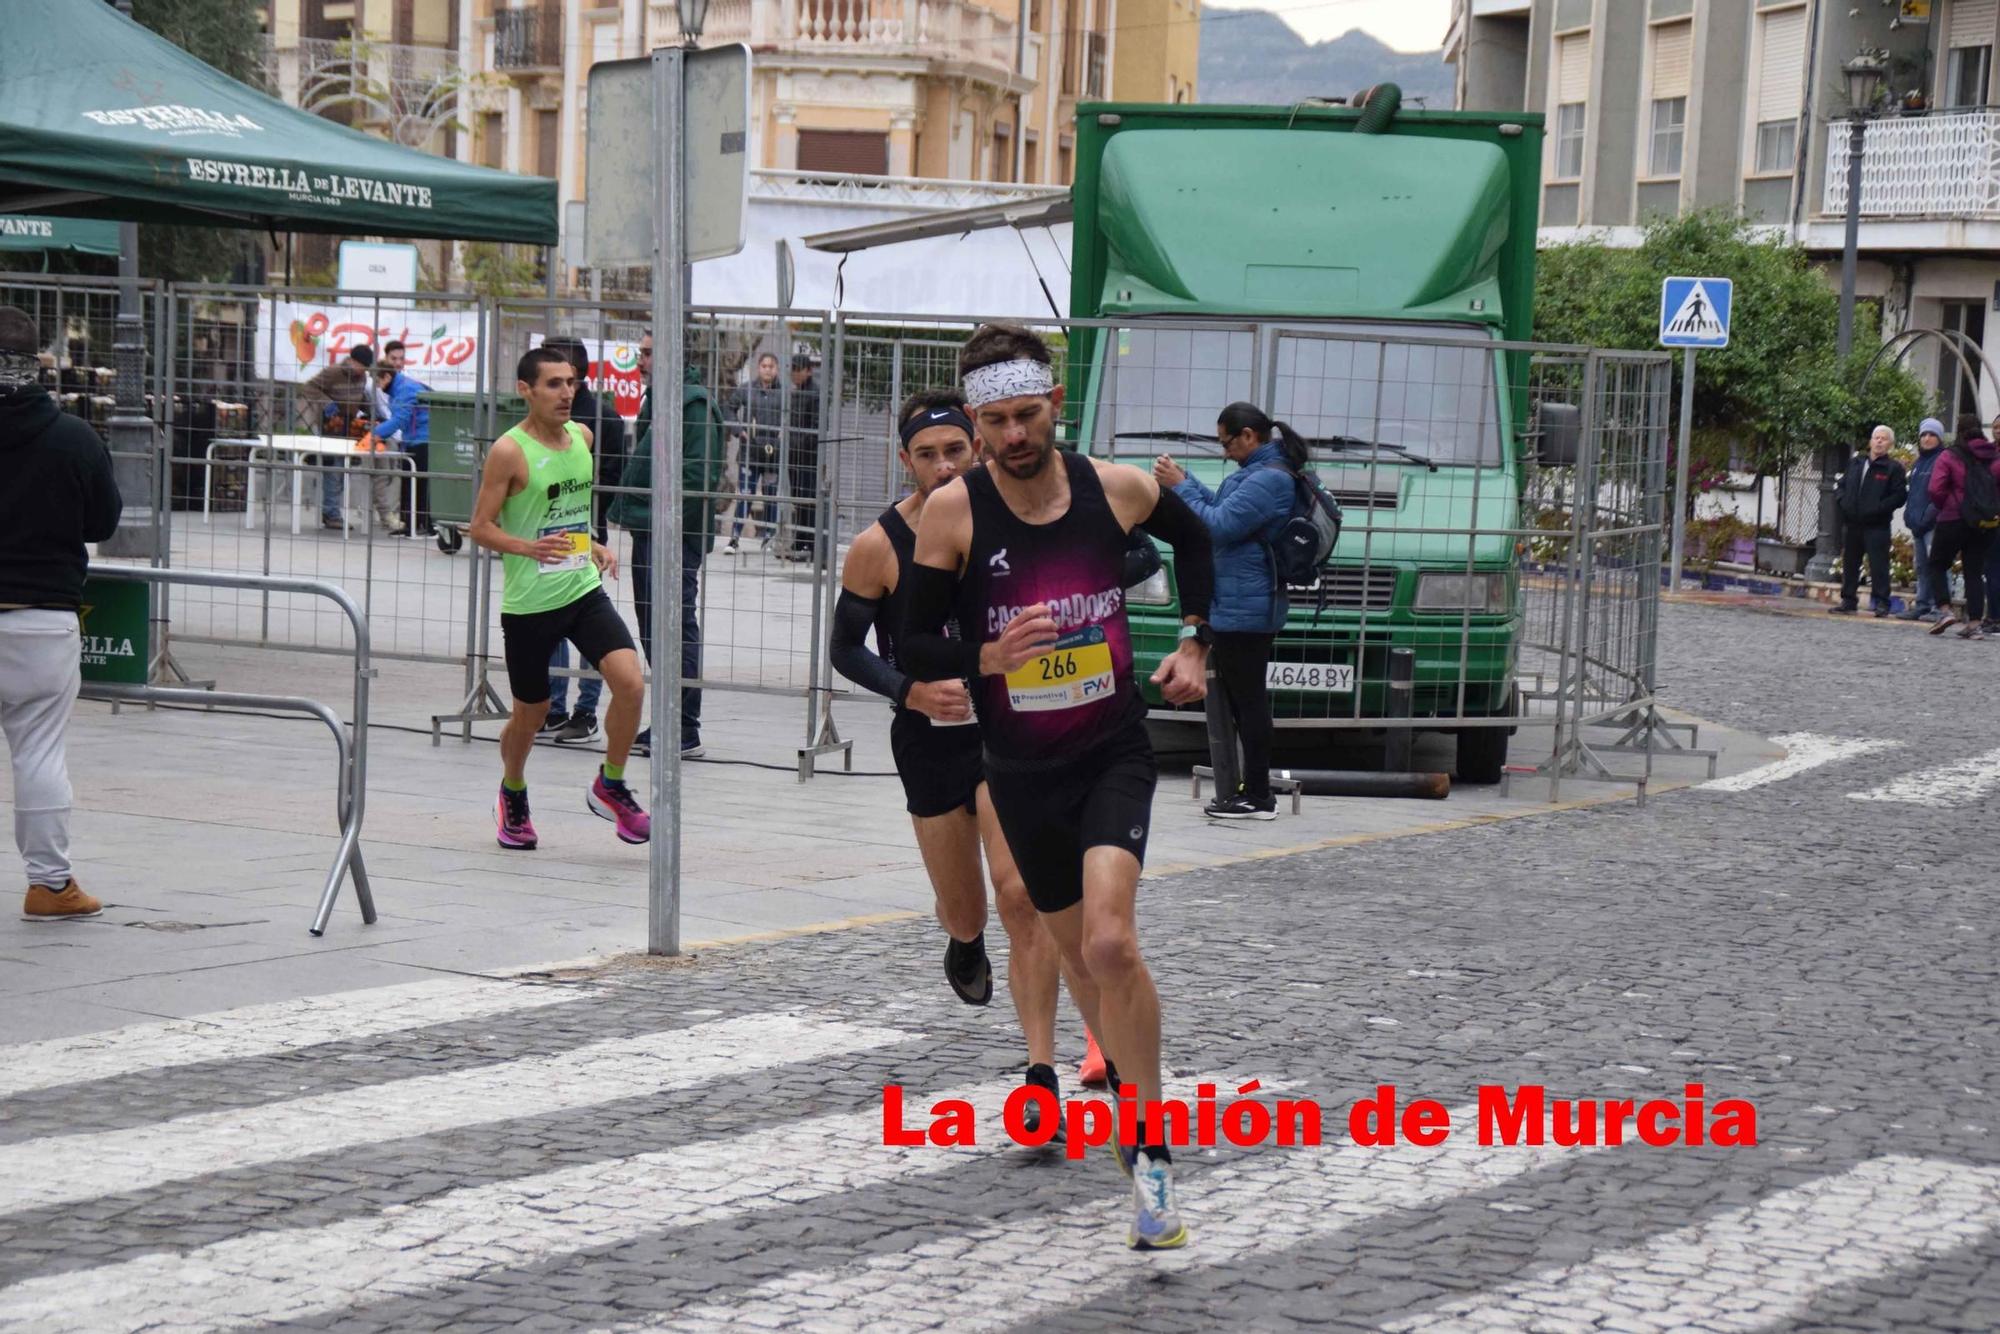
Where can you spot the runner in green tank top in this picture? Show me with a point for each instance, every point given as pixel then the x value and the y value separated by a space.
pixel 533 508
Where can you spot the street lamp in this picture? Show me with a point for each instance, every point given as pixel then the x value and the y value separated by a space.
pixel 1864 80
pixel 693 16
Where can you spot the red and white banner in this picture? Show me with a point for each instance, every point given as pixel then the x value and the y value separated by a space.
pixel 614 372
pixel 296 340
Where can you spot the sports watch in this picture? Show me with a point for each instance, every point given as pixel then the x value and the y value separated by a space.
pixel 1200 632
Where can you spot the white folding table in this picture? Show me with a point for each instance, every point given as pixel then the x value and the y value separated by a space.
pixel 297 447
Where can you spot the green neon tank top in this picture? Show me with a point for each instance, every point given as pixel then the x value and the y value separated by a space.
pixel 555 500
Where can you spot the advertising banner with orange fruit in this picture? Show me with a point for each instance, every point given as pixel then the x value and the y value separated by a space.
pixel 299 339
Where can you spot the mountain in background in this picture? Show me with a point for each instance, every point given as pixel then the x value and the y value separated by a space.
pixel 1248 55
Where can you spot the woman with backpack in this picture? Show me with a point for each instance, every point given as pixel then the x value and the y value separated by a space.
pixel 1244 517
pixel 1965 487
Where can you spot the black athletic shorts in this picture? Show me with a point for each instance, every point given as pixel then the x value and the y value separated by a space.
pixel 1103 798
pixel 591 623
pixel 941 767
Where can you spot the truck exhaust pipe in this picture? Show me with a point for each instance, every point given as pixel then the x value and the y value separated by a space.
pixel 1361 783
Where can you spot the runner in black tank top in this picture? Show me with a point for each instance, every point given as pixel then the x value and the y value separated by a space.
pixel 1029 555
pixel 936 745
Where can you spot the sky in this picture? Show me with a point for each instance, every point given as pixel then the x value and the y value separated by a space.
pixel 1404 25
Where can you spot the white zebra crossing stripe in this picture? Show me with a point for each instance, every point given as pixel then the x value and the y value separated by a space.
pixel 1752 1267
pixel 410 1249
pixel 980 1279
pixel 55 1170
pixel 1964 783
pixel 1803 751
pixel 260 1030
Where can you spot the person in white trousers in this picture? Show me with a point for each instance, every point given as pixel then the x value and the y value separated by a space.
pixel 56 493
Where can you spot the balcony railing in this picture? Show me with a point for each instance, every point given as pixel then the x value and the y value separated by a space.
pixel 1942 165
pixel 953 30
pixel 529 37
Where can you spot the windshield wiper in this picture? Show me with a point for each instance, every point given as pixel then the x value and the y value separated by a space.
pixel 1342 442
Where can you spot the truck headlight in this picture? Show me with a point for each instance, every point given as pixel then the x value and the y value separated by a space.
pixel 1461 592
pixel 1155 592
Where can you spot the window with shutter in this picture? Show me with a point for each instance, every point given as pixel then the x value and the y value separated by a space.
pixel 859 152
pixel 548 143
pixel 1974 22
pixel 1572 86
pixel 1780 91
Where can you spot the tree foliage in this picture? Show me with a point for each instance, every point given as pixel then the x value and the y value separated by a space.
pixel 1778 391
pixel 222 33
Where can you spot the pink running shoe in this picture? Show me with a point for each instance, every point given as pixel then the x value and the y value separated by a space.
pixel 610 798
pixel 511 813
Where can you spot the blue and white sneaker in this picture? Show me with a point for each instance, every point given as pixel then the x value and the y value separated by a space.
pixel 1156 1215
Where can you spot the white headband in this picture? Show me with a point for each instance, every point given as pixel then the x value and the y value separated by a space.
pixel 1008 379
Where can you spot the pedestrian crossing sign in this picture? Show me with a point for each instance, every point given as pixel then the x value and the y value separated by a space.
pixel 1694 312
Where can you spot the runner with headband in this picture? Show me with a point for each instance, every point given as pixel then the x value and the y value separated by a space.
pixel 1028 553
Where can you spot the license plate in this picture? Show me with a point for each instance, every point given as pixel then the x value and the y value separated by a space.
pixel 1330 677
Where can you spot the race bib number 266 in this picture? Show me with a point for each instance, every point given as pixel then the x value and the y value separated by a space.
pixel 1074 672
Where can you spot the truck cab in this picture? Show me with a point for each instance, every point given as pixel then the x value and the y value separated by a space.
pixel 1359 276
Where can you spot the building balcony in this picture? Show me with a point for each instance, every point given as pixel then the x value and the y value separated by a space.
pixel 528 39
pixel 1944 166
pixel 947 31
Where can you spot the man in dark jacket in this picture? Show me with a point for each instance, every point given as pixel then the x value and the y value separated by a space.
pixel 1871 491
pixel 803 482
pixel 59 494
pixel 702 492
pixel 334 396
pixel 1920 517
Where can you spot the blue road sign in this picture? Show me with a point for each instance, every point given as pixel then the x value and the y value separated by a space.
pixel 1694 312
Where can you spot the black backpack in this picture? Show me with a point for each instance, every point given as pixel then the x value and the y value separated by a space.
pixel 1309 533
pixel 1980 506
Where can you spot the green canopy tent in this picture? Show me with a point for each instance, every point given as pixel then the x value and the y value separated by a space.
pixel 25 231
pixel 103 118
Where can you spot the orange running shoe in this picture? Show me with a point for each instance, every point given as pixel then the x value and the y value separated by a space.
pixel 1091 1072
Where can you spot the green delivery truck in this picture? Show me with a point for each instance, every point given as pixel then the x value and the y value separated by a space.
pixel 1351 272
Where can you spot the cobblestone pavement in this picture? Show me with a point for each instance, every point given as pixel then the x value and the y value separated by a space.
pixel 699 1143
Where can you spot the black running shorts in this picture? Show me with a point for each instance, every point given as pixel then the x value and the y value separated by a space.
pixel 592 623
pixel 1104 798
pixel 941 767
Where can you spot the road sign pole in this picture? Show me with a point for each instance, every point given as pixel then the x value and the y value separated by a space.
pixel 663 877
pixel 1681 467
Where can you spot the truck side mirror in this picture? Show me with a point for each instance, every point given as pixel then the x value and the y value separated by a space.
pixel 1559 431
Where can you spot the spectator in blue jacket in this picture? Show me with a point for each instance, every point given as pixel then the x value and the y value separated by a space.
pixel 410 418
pixel 1244 516
pixel 1920 517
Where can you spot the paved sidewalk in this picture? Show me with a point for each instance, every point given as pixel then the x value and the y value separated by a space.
pixel 209 837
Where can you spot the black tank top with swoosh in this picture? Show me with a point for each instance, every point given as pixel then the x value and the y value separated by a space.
pixel 1081 692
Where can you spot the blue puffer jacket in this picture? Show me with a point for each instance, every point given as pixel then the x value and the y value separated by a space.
pixel 1243 516
pixel 1920 512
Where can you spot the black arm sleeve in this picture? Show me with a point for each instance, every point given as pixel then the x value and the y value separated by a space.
pixel 1142 559
pixel 1194 559
pixel 853 659
pixel 925 651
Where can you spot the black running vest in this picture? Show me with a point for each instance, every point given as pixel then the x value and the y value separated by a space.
pixel 1081 692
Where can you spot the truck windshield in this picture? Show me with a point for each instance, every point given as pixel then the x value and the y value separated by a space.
pixel 1345 384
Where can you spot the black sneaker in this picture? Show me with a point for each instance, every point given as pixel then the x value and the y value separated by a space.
pixel 642 744
pixel 968 970
pixel 1242 808
pixel 1042 1076
pixel 1840 611
pixel 581 727
pixel 554 723
pixel 1881 613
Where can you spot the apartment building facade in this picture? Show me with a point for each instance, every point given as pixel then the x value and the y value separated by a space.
pixel 1658 106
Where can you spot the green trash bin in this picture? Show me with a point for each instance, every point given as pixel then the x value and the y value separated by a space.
pixel 457 449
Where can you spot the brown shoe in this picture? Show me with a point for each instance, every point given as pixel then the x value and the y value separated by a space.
pixel 48 905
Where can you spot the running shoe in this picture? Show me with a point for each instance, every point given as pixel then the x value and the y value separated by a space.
pixel 517 831
pixel 1091 1072
pixel 611 799
pixel 1156 1214
pixel 581 727
pixel 968 970
pixel 1972 632
pixel 555 722
pixel 1840 611
pixel 1043 1076
pixel 1242 808
pixel 642 744
pixel 1943 623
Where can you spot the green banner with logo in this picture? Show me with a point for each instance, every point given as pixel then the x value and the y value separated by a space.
pixel 116 618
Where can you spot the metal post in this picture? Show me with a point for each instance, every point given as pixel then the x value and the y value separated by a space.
pixel 131 431
pixel 1402 685
pixel 663 877
pixel 1834 454
pixel 1681 467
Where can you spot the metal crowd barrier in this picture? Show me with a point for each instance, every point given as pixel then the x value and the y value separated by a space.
pixel 352 788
